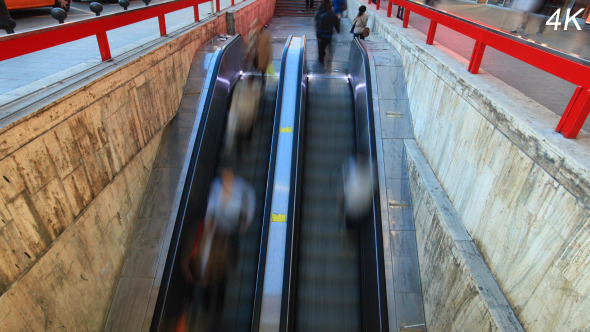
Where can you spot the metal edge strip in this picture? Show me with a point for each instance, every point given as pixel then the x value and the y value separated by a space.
pixel 255 324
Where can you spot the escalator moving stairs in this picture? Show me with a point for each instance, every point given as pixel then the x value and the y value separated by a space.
pixel 252 167
pixel 328 294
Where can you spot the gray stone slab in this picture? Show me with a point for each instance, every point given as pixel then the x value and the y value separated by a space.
pixel 141 261
pixel 406 271
pixel 389 58
pixel 391 83
pixel 410 310
pixel 398 205
pixel 173 148
pixel 189 103
pixel 129 304
pixel 185 119
pixel 395 162
pixel 396 121
pixel 150 310
pixel 160 193
pixel 194 84
pixel 150 231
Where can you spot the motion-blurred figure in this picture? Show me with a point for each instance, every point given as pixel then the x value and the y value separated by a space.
pixel 526 7
pixel 242 114
pixel 339 6
pixel 325 23
pixel 258 48
pixel 357 195
pixel 230 209
pixel 248 92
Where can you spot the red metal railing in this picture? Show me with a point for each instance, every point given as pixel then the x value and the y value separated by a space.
pixel 19 44
pixel 569 68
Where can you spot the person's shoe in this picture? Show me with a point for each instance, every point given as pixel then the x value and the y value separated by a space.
pixel 513 31
pixel 539 33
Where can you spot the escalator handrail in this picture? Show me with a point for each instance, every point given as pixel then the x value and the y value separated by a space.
pixel 203 110
pixel 378 249
pixel 255 324
pixel 293 215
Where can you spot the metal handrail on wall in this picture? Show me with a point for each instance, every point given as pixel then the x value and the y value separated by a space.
pixel 12 46
pixel 568 67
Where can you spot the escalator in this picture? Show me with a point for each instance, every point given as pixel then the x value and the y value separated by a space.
pixel 299 268
pixel 207 162
pixel 328 295
pixel 334 277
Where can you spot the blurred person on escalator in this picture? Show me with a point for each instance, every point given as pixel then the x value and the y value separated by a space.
pixel 230 209
pixel 249 90
pixel 356 193
pixel 325 23
pixel 258 48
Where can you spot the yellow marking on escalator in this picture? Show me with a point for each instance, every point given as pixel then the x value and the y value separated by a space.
pixel 286 129
pixel 278 217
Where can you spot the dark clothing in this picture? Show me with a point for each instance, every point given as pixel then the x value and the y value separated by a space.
pixel 325 22
pixel 309 4
pixel 339 6
pixel 359 35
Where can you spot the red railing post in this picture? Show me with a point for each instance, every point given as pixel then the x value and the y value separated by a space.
pixel 575 114
pixel 389 8
pixel 196 7
pixel 476 57
pixel 103 45
pixel 218 6
pixel 431 32
pixel 162 22
pixel 406 18
pixel 378 4
pixel 232 2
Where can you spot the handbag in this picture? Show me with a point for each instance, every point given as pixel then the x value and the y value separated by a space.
pixel 352 29
pixel 366 32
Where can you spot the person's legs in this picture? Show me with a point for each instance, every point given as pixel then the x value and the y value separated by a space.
pixel 322 49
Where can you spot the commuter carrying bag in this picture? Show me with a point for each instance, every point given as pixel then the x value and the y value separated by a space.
pixel 366 32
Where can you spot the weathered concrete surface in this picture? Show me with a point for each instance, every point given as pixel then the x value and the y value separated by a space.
pixel 521 190
pixel 73 177
pixel 460 293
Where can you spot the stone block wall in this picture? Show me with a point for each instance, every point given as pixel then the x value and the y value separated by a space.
pixel 73 175
pixel 453 272
pixel 520 189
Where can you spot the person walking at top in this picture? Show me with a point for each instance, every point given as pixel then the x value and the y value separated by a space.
pixel 360 23
pixel 527 7
pixel 339 6
pixel 325 22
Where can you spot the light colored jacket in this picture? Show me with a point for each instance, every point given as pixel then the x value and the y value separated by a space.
pixel 360 23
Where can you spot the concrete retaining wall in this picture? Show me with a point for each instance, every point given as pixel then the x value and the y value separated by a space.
pixel 73 175
pixel 459 291
pixel 520 189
